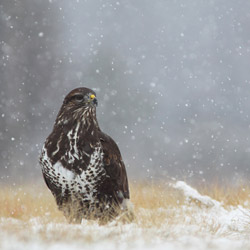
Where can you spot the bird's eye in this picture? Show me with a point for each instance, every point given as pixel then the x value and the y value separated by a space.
pixel 78 98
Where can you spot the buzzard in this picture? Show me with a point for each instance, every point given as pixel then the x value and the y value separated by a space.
pixel 81 165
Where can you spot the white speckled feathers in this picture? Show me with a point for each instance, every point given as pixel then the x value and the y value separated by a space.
pixel 66 179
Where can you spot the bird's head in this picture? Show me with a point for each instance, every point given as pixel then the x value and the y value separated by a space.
pixel 81 98
pixel 79 105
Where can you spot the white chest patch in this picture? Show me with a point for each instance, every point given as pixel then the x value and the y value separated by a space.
pixel 84 184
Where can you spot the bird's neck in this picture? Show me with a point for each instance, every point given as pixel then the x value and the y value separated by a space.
pixel 85 121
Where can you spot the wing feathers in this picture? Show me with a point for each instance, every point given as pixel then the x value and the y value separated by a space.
pixel 114 164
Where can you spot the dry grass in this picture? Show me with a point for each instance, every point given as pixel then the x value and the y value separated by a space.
pixel 27 202
pixel 162 214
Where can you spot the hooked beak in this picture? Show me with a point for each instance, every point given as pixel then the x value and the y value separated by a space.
pixel 93 99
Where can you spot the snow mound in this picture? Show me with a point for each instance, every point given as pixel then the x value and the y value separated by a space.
pixel 192 194
pixel 230 220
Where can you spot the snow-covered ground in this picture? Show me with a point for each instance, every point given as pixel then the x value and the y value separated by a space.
pixel 201 223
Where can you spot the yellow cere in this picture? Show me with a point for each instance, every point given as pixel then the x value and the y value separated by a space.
pixel 92 96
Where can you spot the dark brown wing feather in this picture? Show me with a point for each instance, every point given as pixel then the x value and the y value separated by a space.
pixel 115 168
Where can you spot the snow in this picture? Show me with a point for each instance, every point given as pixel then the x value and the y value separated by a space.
pixel 201 223
pixel 191 193
pixel 232 221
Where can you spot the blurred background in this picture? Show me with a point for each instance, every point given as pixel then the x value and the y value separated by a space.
pixel 172 79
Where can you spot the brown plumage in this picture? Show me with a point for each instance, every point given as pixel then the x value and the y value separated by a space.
pixel 81 165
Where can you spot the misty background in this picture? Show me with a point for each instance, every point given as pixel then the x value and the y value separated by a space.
pixel 172 81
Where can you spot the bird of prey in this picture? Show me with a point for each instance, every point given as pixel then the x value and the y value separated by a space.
pixel 81 165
